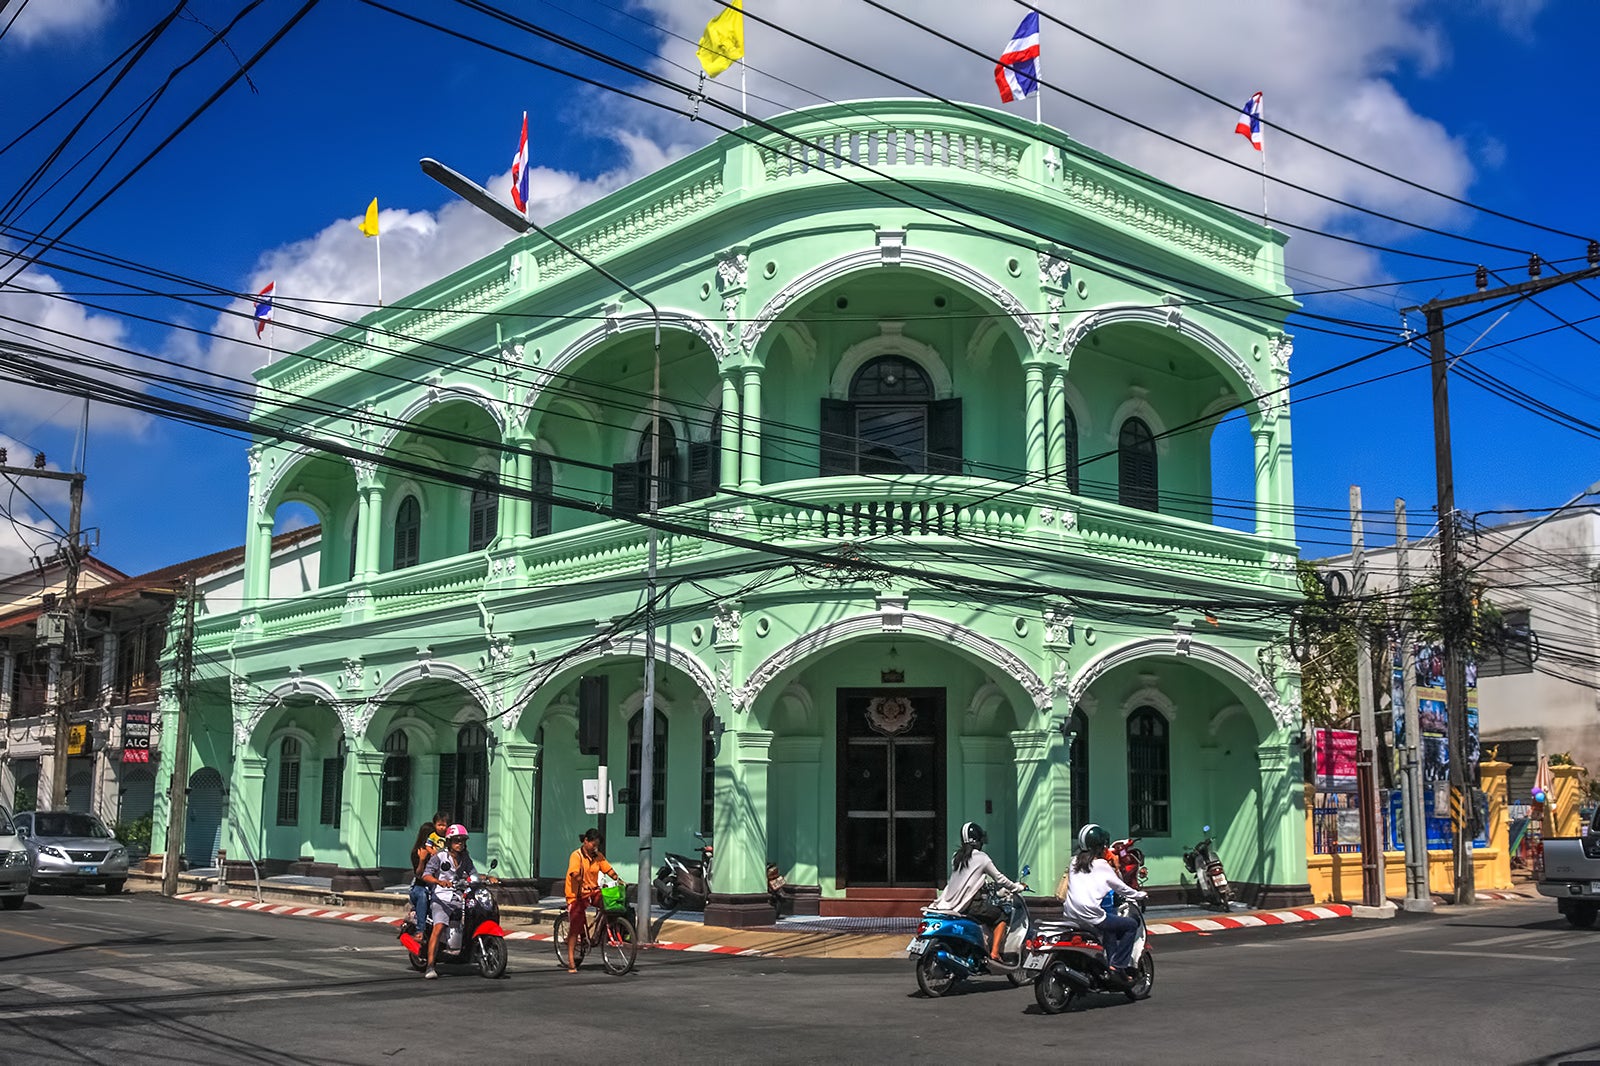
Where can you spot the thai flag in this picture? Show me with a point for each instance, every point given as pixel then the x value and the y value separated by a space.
pixel 1250 121
pixel 519 170
pixel 1015 74
pixel 264 307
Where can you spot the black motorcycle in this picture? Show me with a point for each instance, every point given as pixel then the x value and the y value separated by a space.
pixel 683 883
pixel 473 934
pixel 1202 861
pixel 1070 961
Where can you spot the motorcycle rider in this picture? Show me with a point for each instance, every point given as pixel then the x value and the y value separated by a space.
pixel 444 869
pixel 969 868
pixel 1092 882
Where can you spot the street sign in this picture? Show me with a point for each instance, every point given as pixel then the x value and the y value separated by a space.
pixel 135 736
pixel 136 755
pixel 77 739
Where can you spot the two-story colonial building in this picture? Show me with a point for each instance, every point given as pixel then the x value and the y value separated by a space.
pixel 938 538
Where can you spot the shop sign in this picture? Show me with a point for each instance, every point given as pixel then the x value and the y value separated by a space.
pixel 77 739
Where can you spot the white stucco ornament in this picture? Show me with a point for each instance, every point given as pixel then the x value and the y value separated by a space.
pixel 890 715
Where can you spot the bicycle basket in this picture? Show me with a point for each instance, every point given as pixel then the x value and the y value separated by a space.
pixel 614 898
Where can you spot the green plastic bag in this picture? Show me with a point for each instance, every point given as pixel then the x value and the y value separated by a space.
pixel 613 898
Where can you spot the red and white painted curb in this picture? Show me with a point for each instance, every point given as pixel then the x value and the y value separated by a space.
pixel 289 910
pixel 1251 921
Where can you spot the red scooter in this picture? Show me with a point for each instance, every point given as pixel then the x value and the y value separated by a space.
pixel 473 934
pixel 1128 859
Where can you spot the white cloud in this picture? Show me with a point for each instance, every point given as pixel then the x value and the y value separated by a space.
pixel 45 19
pixel 25 530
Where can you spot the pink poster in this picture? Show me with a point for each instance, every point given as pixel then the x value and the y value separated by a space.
pixel 1336 759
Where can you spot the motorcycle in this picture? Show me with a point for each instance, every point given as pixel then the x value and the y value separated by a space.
pixel 473 934
pixel 1128 859
pixel 1202 861
pixel 1069 961
pixel 950 947
pixel 683 883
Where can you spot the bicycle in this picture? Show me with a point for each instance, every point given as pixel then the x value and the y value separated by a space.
pixel 611 931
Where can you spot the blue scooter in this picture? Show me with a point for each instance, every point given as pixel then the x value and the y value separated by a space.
pixel 951 947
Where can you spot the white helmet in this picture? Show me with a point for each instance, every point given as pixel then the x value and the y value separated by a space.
pixel 1093 837
pixel 972 833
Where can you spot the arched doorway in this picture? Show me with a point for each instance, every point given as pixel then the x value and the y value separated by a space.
pixel 203 832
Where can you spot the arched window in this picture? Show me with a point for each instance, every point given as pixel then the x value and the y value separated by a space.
pixel 333 785
pixel 289 781
pixel 1078 769
pixel 891 424
pixel 544 483
pixel 464 778
pixel 485 511
pixel 1070 431
pixel 658 779
pixel 1149 774
pixel 407 533
pixel 630 482
pixel 708 772
pixel 1136 466
pixel 396 793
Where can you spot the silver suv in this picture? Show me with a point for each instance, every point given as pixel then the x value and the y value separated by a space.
pixel 73 849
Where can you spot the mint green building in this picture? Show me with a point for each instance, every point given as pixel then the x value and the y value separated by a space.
pixel 938 426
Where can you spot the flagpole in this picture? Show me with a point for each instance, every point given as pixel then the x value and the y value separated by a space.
pixel 744 104
pixel 272 329
pixel 1261 116
pixel 1038 85
pixel 377 244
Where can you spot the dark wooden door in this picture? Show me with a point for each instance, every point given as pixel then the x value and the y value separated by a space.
pixel 891 762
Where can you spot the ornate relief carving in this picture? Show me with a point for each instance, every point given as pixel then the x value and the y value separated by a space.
pixel 1282 349
pixel 500 651
pixel 733 271
pixel 1170 317
pixel 354 675
pixel 1283 713
pixel 728 620
pixel 1053 268
pixel 1058 627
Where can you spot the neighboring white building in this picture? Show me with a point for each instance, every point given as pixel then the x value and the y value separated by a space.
pixel 126 622
pixel 1541 696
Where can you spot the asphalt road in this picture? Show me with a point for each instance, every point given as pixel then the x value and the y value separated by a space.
pixel 136 978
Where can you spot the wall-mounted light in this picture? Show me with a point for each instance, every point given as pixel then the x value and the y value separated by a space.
pixel 892 673
pixel 1068 729
pixel 714 730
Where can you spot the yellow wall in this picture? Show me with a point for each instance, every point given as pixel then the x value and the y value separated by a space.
pixel 1566 795
pixel 1337 878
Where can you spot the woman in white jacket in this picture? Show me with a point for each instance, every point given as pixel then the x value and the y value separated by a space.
pixel 969 868
pixel 1092 880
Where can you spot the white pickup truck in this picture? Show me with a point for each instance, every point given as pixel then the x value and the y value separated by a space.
pixel 1572 875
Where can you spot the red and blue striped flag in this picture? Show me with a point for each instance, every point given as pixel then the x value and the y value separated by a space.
pixel 1250 121
pixel 1015 74
pixel 519 170
pixel 264 307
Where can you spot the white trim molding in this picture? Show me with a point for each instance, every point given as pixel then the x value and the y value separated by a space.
pixel 630 647
pixel 891 340
pixel 1170 317
pixel 1283 713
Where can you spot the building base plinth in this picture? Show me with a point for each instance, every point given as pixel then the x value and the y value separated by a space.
pixel 740 910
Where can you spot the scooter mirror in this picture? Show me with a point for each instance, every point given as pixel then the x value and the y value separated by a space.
pixel 1026 870
pixel 494 864
pixel 1205 829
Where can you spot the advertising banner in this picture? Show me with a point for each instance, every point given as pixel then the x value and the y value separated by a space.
pixel 1336 759
pixel 135 735
pixel 1433 718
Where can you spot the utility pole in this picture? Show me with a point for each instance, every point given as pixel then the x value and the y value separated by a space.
pixel 1419 893
pixel 67 639
pixel 1366 758
pixel 178 805
pixel 1455 605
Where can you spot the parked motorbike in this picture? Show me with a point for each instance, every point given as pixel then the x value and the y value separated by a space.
pixel 473 934
pixel 1202 861
pixel 1128 858
pixel 683 883
pixel 1070 961
pixel 950 947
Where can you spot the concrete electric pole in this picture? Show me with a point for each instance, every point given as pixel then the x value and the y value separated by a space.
pixel 178 804
pixel 1455 604
pixel 1367 757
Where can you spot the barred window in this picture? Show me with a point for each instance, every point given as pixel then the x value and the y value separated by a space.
pixel 658 779
pixel 1149 774
pixel 396 793
pixel 289 782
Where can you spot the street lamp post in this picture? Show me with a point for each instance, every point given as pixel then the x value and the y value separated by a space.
pixel 485 201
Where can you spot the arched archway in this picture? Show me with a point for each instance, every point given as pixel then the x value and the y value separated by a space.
pixel 202 834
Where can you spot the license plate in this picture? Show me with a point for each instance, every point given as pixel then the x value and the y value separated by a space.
pixel 1035 961
pixel 916 947
pixel 88 869
pixel 1594 888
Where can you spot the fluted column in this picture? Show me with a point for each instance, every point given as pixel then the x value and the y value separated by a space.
pixel 1035 427
pixel 750 437
pixel 1057 404
pixel 731 442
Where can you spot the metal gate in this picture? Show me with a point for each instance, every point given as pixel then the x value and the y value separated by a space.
pixel 203 834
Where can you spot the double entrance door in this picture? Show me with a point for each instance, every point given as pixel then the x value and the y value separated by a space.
pixel 891 787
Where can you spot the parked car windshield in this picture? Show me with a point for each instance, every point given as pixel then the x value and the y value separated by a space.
pixel 65 824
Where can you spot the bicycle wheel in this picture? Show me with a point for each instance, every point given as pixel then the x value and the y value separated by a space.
pixel 558 933
pixel 618 945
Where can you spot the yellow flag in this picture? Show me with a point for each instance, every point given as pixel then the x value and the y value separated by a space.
pixel 369 225
pixel 723 42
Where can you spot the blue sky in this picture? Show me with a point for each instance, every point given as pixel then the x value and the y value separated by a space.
pixel 1490 102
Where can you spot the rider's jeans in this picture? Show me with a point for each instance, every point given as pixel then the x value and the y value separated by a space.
pixel 419 903
pixel 1118 933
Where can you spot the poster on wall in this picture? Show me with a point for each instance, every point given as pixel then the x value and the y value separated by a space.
pixel 1336 759
pixel 1433 718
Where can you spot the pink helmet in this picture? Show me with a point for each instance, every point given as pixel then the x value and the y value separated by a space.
pixel 457 830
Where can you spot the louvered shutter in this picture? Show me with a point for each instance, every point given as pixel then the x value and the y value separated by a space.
pixel 944 437
pixel 838 447
pixel 628 486
pixel 704 459
pixel 447 784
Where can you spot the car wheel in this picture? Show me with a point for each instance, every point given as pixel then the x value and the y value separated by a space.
pixel 114 886
pixel 1583 917
pixel 12 903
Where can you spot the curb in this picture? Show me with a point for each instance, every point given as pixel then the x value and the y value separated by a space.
pixel 1251 921
pixel 289 910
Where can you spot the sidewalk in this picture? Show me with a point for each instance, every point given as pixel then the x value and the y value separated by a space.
pixel 799 937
